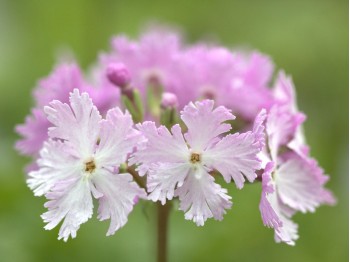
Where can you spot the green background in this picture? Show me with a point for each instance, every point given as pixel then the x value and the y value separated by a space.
pixel 309 39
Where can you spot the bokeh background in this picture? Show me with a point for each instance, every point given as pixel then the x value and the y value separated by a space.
pixel 309 39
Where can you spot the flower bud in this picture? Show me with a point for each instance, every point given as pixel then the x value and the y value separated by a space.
pixel 169 100
pixel 118 74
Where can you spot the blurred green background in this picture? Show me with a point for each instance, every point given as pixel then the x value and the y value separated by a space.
pixel 309 39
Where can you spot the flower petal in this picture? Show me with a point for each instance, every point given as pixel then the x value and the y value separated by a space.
pixel 205 124
pixel 259 128
pixel 33 132
pixel 272 212
pixel 201 198
pixel 164 178
pixel 57 86
pixel 119 192
pixel 69 200
pixel 55 163
pixel 269 216
pixel 284 92
pixel 160 146
pixel 288 233
pixel 281 126
pixel 300 184
pixel 70 122
pixel 234 156
pixel 117 138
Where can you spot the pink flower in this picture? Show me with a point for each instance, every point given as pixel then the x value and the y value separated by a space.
pixel 64 78
pixel 281 127
pixel 33 132
pixel 57 85
pixel 212 69
pixel 293 185
pixel 234 79
pixel 80 160
pixel 249 84
pixel 149 61
pixel 180 165
pixel 292 180
pixel 285 95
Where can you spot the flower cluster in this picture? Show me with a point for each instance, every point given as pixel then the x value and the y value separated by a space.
pixel 160 120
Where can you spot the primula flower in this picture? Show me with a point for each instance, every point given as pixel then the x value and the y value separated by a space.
pixel 292 180
pixel 234 79
pixel 64 78
pixel 249 84
pixel 211 69
pixel 181 165
pixel 86 140
pixel 33 132
pixel 150 61
pixel 81 160
pixel 58 85
pixel 285 96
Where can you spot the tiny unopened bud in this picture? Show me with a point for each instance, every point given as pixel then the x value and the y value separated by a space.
pixel 118 74
pixel 169 100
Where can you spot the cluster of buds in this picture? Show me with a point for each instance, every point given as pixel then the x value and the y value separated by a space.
pixel 162 121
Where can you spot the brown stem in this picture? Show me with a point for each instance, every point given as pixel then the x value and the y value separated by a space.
pixel 136 177
pixel 162 231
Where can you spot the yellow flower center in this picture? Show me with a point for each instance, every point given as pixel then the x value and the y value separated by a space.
pixel 90 166
pixel 195 158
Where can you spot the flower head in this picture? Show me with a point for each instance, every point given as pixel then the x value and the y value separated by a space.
pixel 81 160
pixel 182 165
pixel 149 61
pixel 233 79
pixel 292 180
pixel 64 78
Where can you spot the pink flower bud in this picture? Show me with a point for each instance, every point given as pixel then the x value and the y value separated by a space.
pixel 169 100
pixel 118 74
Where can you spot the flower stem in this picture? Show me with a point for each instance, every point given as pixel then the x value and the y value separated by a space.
pixel 139 180
pixel 162 231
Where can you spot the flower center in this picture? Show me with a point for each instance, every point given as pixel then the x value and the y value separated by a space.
pixel 90 166
pixel 195 158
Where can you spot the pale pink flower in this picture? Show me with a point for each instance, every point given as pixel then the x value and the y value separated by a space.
pixel 150 60
pixel 81 160
pixel 33 132
pixel 249 84
pixel 64 78
pixel 285 95
pixel 211 71
pixel 236 80
pixel 57 86
pixel 294 184
pixel 293 181
pixel 281 127
pixel 180 165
